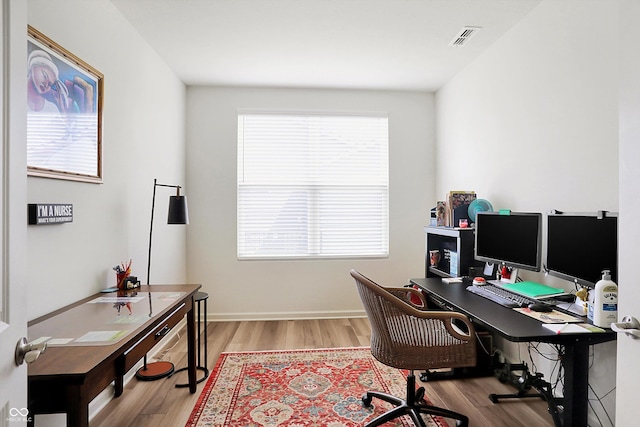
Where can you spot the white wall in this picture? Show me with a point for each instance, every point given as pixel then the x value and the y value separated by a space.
pixel 143 139
pixel 281 289
pixel 532 125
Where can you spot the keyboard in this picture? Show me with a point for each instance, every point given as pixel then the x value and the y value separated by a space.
pixel 501 296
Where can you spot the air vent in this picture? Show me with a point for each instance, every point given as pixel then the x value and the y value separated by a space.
pixel 464 36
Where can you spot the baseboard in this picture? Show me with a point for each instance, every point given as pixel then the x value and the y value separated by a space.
pixel 289 315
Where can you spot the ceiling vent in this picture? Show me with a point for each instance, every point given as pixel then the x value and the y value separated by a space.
pixel 464 36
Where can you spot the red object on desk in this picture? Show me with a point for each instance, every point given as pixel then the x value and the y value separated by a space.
pixel 479 281
pixel 505 273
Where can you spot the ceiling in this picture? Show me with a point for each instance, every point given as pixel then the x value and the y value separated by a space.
pixel 346 44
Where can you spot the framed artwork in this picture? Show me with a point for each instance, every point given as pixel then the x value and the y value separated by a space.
pixel 64 113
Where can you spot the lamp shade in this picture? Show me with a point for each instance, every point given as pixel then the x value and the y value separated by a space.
pixel 178 211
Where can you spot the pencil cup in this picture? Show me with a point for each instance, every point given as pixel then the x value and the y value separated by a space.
pixel 121 279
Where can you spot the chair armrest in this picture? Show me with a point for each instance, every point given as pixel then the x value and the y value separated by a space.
pixel 407 294
pixel 447 317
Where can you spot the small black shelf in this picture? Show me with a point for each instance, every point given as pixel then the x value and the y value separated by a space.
pixel 447 240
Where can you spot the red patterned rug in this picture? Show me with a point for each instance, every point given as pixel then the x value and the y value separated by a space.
pixel 299 388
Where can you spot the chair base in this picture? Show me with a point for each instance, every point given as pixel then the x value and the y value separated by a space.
pixel 413 406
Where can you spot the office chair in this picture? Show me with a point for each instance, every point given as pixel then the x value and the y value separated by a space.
pixel 405 336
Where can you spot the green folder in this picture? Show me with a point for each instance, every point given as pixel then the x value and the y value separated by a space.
pixel 532 289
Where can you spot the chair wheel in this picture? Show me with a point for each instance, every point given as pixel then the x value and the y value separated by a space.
pixel 493 398
pixel 419 395
pixel 366 400
pixel 424 377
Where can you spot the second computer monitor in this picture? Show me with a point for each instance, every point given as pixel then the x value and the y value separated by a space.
pixel 581 245
pixel 511 238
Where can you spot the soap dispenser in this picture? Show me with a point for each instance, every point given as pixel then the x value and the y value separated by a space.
pixel 603 302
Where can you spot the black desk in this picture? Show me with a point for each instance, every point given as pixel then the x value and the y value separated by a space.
pixel 516 327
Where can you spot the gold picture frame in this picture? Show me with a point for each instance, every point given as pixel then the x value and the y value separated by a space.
pixel 64 113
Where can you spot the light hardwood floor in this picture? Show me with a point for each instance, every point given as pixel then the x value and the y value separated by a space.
pixel 160 404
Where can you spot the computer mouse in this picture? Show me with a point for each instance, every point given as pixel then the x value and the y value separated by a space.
pixel 540 307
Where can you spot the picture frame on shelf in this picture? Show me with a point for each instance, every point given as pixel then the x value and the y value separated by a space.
pixel 457 204
pixel 441 211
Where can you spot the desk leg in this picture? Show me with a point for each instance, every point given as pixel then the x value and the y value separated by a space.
pixel 576 393
pixel 78 412
pixel 118 382
pixel 191 349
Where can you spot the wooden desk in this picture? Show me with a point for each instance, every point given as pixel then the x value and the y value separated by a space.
pixel 68 376
pixel 517 327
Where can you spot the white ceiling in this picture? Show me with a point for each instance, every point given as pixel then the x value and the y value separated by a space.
pixel 355 44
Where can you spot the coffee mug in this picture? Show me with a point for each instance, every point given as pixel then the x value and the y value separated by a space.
pixel 434 257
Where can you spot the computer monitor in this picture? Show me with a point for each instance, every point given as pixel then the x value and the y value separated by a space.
pixel 510 238
pixel 581 245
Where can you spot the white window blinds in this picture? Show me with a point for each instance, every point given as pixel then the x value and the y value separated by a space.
pixel 312 186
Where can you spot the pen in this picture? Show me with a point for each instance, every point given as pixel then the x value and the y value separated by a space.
pixel 562 328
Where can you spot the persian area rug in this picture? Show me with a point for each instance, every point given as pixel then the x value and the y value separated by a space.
pixel 299 388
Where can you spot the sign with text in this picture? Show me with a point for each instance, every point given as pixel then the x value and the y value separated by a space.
pixel 50 213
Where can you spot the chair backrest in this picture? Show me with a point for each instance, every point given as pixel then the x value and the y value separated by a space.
pixel 406 337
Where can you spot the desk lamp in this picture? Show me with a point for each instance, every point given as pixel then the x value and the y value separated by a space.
pixel 178 214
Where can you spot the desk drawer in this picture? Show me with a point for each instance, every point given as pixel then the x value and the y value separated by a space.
pixel 152 337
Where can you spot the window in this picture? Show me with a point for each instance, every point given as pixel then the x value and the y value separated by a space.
pixel 312 186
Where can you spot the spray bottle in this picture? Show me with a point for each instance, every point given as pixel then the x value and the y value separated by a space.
pixel 603 302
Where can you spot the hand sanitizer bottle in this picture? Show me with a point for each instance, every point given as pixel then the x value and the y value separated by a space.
pixel 604 310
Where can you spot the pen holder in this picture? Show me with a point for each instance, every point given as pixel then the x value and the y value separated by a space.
pixel 121 278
